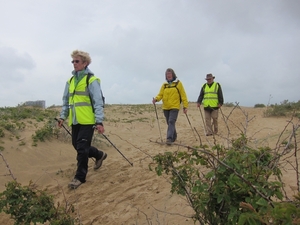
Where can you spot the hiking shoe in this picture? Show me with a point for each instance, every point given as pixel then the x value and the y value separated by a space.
pixel 98 162
pixel 75 183
pixel 169 142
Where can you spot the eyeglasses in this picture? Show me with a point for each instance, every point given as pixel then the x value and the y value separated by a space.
pixel 75 61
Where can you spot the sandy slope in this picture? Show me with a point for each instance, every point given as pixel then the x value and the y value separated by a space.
pixel 119 193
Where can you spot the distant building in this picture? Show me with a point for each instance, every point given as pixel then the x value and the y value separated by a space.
pixel 38 103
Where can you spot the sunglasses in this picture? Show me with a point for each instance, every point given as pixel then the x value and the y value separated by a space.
pixel 75 61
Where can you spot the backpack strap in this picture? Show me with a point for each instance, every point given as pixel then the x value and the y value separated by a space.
pixel 175 86
pixel 178 90
pixel 88 76
pixel 87 84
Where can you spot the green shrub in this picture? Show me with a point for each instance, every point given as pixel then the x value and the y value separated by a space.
pixel 259 106
pixel 21 112
pixel 8 126
pixel 46 132
pixel 217 182
pixel 2 134
pixel 285 108
pixel 27 205
pixel 275 111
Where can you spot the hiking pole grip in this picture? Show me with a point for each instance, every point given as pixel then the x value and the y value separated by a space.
pixel 63 126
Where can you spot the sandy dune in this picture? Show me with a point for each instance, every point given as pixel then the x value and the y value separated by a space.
pixel 119 193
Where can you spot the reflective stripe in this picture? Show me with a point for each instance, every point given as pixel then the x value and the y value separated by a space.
pixel 84 93
pixel 211 98
pixel 82 104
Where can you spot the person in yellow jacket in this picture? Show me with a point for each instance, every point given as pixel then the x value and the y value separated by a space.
pixel 83 104
pixel 172 94
pixel 211 97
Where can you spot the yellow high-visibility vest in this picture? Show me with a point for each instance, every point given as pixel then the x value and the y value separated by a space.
pixel 80 103
pixel 210 98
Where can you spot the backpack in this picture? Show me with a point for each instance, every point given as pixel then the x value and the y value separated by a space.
pixel 87 84
pixel 167 86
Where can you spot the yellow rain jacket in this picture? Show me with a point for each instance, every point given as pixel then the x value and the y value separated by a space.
pixel 172 95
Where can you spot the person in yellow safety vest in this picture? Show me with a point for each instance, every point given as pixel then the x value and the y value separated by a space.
pixel 171 93
pixel 211 97
pixel 83 104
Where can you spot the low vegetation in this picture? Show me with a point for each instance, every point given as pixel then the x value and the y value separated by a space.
pixel 28 205
pixel 259 106
pixel 237 184
pixel 285 108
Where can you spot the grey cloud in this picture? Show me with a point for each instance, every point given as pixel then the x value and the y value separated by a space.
pixel 11 58
pixel 251 46
pixel 14 65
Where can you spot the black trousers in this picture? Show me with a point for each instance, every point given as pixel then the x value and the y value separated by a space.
pixel 81 140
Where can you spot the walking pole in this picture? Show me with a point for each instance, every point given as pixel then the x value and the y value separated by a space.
pixel 105 138
pixel 198 136
pixel 117 149
pixel 202 121
pixel 191 126
pixel 158 122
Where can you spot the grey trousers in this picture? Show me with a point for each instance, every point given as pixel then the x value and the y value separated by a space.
pixel 171 117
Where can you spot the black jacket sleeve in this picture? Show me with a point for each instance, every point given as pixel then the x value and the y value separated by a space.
pixel 220 95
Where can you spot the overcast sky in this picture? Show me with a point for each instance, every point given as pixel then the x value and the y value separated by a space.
pixel 252 47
